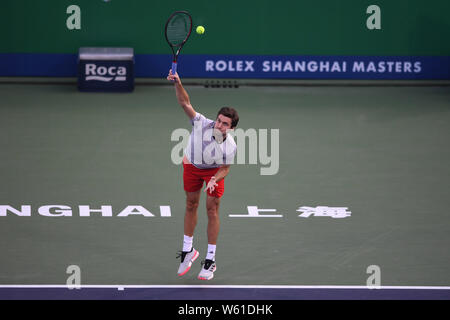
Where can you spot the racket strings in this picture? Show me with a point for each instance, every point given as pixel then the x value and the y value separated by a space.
pixel 178 29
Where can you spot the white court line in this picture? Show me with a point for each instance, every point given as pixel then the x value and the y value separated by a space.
pixel 116 286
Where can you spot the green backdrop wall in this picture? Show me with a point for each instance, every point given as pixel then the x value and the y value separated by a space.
pixel 282 27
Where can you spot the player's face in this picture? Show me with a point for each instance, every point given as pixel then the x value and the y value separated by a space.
pixel 223 123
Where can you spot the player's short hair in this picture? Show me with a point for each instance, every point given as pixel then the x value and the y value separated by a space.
pixel 230 113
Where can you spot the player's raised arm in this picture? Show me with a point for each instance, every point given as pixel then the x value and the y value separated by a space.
pixel 182 96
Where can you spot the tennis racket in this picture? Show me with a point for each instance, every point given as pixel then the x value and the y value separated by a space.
pixel 178 29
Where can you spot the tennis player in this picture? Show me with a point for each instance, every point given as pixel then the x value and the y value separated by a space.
pixel 207 158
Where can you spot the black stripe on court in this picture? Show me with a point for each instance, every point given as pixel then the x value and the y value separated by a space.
pixel 203 293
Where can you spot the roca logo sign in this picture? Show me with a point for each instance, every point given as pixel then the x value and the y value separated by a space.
pixel 106 74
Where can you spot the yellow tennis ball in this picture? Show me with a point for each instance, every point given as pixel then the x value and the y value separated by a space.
pixel 200 30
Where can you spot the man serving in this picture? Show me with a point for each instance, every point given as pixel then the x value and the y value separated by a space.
pixel 207 158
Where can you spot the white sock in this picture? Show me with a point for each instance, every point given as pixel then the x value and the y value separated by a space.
pixel 211 255
pixel 187 243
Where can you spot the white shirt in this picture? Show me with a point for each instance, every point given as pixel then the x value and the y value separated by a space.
pixel 203 151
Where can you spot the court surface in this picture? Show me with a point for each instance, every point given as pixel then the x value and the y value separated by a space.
pixel 380 152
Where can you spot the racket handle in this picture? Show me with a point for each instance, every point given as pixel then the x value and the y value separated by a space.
pixel 174 67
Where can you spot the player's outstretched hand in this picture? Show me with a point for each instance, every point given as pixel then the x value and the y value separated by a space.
pixel 211 185
pixel 173 77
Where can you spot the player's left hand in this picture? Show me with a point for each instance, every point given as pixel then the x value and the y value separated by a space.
pixel 211 185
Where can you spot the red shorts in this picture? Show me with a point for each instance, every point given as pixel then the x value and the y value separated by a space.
pixel 194 177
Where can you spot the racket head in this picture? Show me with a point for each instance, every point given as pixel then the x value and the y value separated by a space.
pixel 177 30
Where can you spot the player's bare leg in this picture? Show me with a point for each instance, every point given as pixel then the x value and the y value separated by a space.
pixel 190 217
pixel 188 255
pixel 212 209
pixel 209 265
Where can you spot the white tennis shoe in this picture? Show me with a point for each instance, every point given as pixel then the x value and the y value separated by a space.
pixel 187 258
pixel 208 268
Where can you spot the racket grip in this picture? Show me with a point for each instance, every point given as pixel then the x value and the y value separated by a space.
pixel 174 67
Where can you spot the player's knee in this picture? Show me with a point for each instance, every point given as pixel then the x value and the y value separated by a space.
pixel 212 211
pixel 191 205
